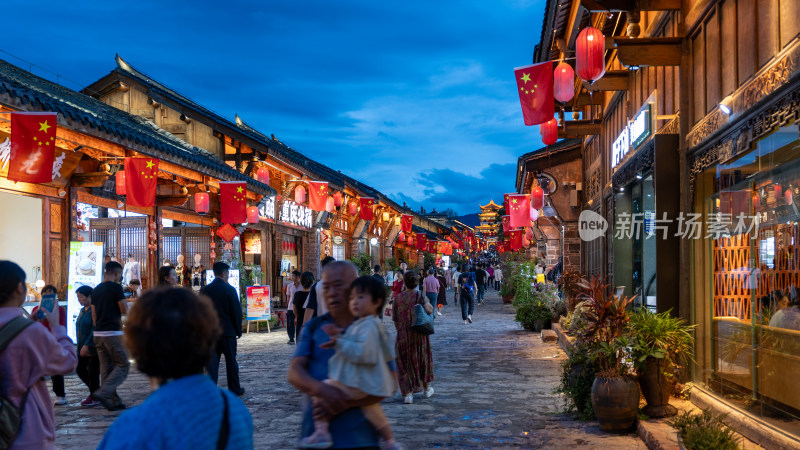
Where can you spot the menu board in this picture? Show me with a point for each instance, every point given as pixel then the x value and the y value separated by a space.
pixel 258 305
pixel 85 269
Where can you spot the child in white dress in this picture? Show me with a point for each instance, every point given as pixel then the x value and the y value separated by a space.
pixel 360 366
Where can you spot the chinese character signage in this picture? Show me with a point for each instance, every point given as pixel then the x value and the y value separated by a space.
pixel 296 214
pixel 258 307
pixel 266 209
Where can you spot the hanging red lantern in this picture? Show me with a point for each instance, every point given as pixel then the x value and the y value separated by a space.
pixel 401 236
pixel 338 199
pixel 563 82
pixel 300 194
pixel 537 197
pixel 262 175
pixel 778 191
pixel 788 196
pixel 756 201
pixel 329 204
pixel 252 214
pixel 120 183
pixel 590 49
pixel 353 208
pixel 201 203
pixel 549 131
pixel 528 233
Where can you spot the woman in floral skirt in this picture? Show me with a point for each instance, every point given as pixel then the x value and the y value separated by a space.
pixel 414 357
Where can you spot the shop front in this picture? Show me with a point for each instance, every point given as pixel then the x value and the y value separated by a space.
pixel 291 234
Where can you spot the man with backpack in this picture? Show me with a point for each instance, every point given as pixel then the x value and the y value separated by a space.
pixel 480 282
pixel 466 284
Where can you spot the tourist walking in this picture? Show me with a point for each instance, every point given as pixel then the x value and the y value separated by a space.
pixel 431 288
pixel 480 283
pixel 466 283
pixel 414 356
pixel 108 307
pixel 300 298
pixel 359 367
pixel 88 369
pixel 30 353
pixel 441 300
pixel 291 318
pixel 186 410
pixel 490 279
pixel 456 287
pixel 376 273
pixel 167 276
pixel 57 380
pixel 309 367
pixel 229 314
pixel 498 277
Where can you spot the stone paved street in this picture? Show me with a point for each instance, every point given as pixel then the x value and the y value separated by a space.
pixel 494 389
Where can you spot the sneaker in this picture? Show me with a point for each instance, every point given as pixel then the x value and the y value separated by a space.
pixel 438 313
pixel 317 441
pixel 290 342
pixel 89 402
pixel 60 401
pixel 105 402
pixel 429 392
pixel 465 322
pixel 409 399
pixel 469 318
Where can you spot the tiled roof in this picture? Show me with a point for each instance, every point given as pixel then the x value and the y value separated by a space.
pixel 30 92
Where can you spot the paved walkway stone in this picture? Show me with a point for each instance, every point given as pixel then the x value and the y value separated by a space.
pixel 494 389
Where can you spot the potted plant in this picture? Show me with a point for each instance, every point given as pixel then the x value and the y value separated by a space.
pixel 660 344
pixel 534 305
pixel 577 377
pixel 615 395
pixel 507 292
pixel 570 287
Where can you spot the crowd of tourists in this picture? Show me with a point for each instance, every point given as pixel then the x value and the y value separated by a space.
pixel 345 362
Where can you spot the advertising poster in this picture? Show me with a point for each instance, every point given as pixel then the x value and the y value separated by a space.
pixel 540 278
pixel 233 279
pixel 85 269
pixel 258 306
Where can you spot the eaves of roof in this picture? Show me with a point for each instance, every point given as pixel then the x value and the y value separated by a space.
pixel 27 91
pixel 430 234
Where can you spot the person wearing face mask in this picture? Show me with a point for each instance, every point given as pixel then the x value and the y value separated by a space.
pixel 88 369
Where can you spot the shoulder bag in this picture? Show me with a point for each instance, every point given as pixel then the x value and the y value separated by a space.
pixel 423 321
pixel 10 415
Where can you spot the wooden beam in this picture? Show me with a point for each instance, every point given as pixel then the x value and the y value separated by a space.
pixel 649 51
pixel 171 200
pixel 581 127
pixel 604 6
pixel 615 80
pixel 90 179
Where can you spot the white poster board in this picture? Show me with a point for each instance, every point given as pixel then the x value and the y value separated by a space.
pixel 85 269
pixel 233 279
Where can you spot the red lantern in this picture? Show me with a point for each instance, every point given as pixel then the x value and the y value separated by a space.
pixel 262 175
pixel 590 49
pixel 401 236
pixel 778 191
pixel 528 233
pixel 329 204
pixel 300 194
pixel 353 209
pixel 788 196
pixel 120 182
pixel 549 131
pixel 756 201
pixel 338 199
pixel 201 203
pixel 564 82
pixel 537 197
pixel 252 214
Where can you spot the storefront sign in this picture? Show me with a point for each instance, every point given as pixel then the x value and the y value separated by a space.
pixel 266 209
pixel 258 306
pixel 296 214
pixel 632 135
pixel 85 269
pixel 338 240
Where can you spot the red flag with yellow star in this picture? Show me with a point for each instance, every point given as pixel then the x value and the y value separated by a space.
pixel 519 211
pixel 317 195
pixel 535 88
pixel 141 181
pixel 33 142
pixel 233 201
pixel 366 212
pixel 407 222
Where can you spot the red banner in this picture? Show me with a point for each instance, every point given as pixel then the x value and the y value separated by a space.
pixel 535 84
pixel 317 195
pixel 422 242
pixel 141 181
pixel 33 143
pixel 520 211
pixel 366 208
pixel 433 247
pixel 516 239
pixel 506 223
pixel 233 201
pixel 407 222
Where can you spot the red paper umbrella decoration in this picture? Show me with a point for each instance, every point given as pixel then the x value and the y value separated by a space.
pixel 537 197
pixel 201 203
pixel 549 131
pixel 338 199
pixel 589 54
pixel 353 209
pixel 401 236
pixel 300 194
pixel 262 175
pixel 252 214
pixel 564 82
pixel 330 204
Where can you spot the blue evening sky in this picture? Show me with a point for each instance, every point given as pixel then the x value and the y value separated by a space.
pixel 415 98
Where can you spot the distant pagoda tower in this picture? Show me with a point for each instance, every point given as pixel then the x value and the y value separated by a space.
pixel 490 221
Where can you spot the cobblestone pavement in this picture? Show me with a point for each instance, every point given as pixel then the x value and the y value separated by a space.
pixel 494 389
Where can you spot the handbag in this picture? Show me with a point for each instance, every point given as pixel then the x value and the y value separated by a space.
pixel 423 321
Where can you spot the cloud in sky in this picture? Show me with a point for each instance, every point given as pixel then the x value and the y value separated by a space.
pixel 415 98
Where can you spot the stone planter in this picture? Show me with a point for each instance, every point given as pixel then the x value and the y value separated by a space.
pixel 656 389
pixel 615 402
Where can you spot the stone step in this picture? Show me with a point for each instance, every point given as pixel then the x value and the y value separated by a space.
pixel 549 336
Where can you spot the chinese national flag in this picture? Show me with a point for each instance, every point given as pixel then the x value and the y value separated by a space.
pixel 506 223
pixel 520 211
pixel 141 181
pixel 33 142
pixel 505 201
pixel 317 195
pixel 407 221
pixel 516 239
pixel 432 247
pixel 366 208
pixel 535 84
pixel 422 242
pixel 233 201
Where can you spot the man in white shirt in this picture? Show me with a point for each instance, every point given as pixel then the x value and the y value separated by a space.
pixel 291 288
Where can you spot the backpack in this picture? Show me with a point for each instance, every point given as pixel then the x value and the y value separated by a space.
pixel 10 415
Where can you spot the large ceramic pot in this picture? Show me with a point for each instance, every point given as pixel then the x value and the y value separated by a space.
pixel 615 402
pixel 656 388
pixel 541 324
